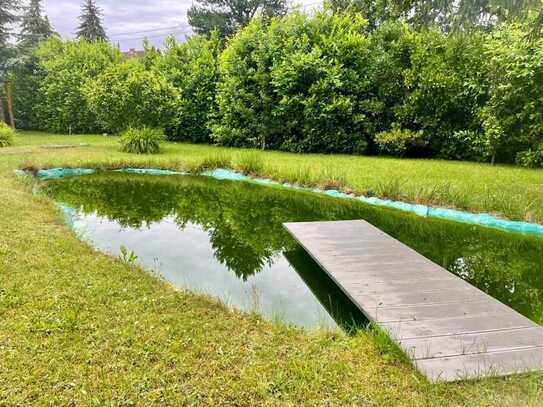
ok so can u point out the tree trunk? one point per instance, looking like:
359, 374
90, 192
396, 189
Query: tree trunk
10, 104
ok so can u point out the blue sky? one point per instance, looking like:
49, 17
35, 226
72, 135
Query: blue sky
125, 20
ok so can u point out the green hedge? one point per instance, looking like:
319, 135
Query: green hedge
326, 83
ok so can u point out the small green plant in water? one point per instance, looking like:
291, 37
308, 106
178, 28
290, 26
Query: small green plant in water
141, 141
128, 257
6, 135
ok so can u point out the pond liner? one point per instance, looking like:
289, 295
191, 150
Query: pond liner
479, 219
54, 173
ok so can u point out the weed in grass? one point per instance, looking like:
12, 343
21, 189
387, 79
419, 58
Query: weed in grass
128, 257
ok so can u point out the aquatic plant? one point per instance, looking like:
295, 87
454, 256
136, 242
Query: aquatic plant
141, 141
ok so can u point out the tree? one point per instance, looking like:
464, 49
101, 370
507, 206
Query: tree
448, 15
66, 67
229, 16
192, 67
35, 27
7, 52
127, 95
91, 27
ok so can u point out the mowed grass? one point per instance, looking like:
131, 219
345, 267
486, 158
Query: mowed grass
507, 191
81, 328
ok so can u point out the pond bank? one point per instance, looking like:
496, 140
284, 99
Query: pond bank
480, 219
115, 335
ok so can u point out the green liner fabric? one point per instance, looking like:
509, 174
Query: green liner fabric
63, 172
480, 219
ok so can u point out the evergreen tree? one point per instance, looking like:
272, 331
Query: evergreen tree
7, 18
91, 27
8, 9
35, 27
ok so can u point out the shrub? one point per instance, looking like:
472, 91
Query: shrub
6, 135
295, 84
127, 95
66, 68
192, 68
465, 145
531, 158
141, 141
399, 142
444, 88
513, 115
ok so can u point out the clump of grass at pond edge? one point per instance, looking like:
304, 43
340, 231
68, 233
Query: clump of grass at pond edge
208, 162
141, 141
249, 163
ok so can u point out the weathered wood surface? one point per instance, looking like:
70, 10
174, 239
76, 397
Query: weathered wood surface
450, 329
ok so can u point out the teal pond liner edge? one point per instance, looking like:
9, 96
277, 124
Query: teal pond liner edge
479, 219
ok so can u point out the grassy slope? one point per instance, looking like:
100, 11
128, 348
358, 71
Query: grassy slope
80, 327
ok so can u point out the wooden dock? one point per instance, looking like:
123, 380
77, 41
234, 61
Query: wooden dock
450, 329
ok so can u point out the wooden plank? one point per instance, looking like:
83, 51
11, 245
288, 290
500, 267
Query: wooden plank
481, 365
450, 329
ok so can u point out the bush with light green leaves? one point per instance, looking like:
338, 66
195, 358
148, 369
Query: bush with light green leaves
129, 95
6, 135
65, 69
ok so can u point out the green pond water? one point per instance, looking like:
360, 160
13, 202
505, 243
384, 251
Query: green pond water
226, 239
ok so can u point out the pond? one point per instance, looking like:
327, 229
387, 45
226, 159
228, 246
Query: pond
225, 239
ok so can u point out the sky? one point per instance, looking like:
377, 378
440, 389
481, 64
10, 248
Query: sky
127, 22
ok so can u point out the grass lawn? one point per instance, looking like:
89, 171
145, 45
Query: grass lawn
79, 327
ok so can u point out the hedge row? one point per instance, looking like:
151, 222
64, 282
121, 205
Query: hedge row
306, 84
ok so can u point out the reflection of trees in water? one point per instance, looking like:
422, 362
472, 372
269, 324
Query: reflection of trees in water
244, 223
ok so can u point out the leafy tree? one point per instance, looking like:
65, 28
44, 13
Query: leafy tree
444, 88
229, 16
127, 95
91, 28
192, 67
449, 15
513, 115
296, 84
66, 68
